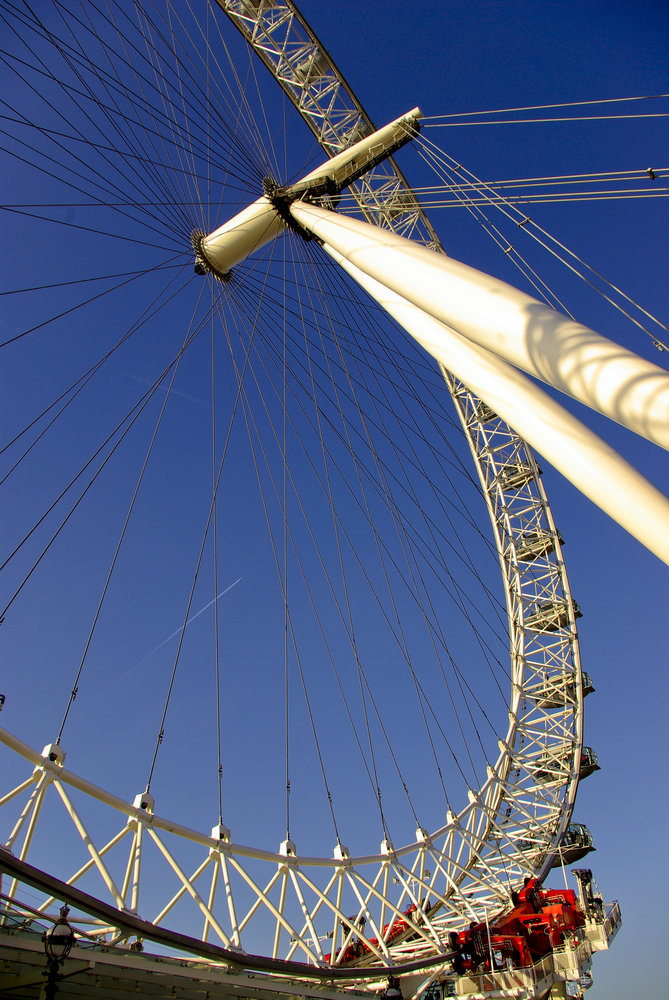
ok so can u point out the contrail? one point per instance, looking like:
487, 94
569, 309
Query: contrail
160, 645
191, 619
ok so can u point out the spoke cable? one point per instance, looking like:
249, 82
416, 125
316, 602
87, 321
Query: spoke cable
168, 395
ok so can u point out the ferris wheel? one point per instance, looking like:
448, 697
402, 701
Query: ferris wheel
340, 428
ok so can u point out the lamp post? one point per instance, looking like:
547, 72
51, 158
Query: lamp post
58, 941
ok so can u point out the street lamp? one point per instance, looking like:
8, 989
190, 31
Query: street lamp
58, 941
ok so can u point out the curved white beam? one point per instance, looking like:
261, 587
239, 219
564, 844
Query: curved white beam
575, 451
506, 321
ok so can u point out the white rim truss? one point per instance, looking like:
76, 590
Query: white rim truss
511, 826
507, 470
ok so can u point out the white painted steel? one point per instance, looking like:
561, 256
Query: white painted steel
475, 856
448, 853
282, 39
248, 231
508, 322
260, 223
358, 157
574, 450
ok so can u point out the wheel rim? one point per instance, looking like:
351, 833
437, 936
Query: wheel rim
475, 856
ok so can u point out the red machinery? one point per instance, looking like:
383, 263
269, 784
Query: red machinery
358, 947
541, 920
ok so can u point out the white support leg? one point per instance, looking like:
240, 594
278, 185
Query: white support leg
579, 454
505, 321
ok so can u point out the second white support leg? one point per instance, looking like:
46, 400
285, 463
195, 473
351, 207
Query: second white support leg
527, 333
575, 451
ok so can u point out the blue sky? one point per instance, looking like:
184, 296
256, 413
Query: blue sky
449, 59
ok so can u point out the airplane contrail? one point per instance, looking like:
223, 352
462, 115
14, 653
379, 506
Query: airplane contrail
191, 619
160, 645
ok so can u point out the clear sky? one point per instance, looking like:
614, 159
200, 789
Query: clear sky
449, 59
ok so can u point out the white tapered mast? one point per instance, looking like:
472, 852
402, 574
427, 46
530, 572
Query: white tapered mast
516, 327
595, 468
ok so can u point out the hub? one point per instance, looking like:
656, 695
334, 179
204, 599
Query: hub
269, 216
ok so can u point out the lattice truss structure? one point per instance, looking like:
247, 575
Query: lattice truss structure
399, 902
278, 34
